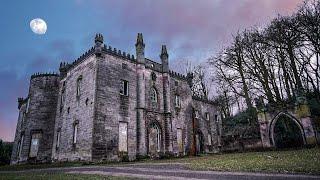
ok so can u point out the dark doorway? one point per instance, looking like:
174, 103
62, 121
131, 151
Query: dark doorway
199, 142
287, 133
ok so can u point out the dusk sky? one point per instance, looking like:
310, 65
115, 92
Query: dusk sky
193, 30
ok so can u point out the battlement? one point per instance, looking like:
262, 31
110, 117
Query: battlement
177, 75
202, 99
38, 74
114, 51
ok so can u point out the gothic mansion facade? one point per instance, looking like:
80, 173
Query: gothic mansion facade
109, 105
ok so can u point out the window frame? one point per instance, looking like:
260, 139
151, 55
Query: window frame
78, 86
153, 95
75, 133
124, 87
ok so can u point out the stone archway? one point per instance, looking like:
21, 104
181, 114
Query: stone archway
286, 132
199, 142
154, 137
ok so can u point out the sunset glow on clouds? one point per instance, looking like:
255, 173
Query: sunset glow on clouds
193, 30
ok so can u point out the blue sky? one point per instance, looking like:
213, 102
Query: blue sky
193, 31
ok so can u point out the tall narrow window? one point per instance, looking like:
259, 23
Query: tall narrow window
58, 139
177, 101
34, 147
153, 95
23, 118
20, 146
28, 104
124, 87
75, 133
62, 98
79, 83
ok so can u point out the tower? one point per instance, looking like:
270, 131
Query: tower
166, 96
141, 126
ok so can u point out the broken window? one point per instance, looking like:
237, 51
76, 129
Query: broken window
124, 87
123, 137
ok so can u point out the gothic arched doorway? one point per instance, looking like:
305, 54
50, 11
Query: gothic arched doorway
286, 132
199, 142
154, 138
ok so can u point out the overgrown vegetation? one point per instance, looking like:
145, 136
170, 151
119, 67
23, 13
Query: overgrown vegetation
277, 65
5, 152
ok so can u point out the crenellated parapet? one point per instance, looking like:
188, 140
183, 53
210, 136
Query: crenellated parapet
117, 52
203, 99
47, 74
177, 75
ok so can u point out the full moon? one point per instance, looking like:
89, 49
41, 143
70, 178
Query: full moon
38, 26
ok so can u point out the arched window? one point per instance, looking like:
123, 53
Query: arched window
79, 82
153, 95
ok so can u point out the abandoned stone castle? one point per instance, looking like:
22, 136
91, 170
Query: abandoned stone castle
109, 105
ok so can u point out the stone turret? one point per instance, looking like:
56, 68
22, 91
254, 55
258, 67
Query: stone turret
164, 59
98, 40
166, 96
140, 49
141, 88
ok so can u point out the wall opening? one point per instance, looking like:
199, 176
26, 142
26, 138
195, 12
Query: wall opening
287, 133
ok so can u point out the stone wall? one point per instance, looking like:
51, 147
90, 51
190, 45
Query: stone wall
112, 107
39, 118
76, 110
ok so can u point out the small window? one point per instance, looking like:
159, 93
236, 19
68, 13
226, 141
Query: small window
177, 101
75, 133
153, 95
124, 87
216, 118
176, 83
196, 112
58, 139
207, 116
79, 84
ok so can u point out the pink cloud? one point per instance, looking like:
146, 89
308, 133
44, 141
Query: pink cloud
205, 24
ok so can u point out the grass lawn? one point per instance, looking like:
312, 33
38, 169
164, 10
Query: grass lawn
305, 161
58, 176
302, 161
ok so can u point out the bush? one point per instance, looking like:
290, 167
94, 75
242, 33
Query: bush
5, 152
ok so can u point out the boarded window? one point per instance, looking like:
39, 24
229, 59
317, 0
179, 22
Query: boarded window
124, 87
179, 139
123, 137
34, 147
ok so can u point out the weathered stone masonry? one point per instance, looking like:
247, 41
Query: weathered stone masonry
109, 105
